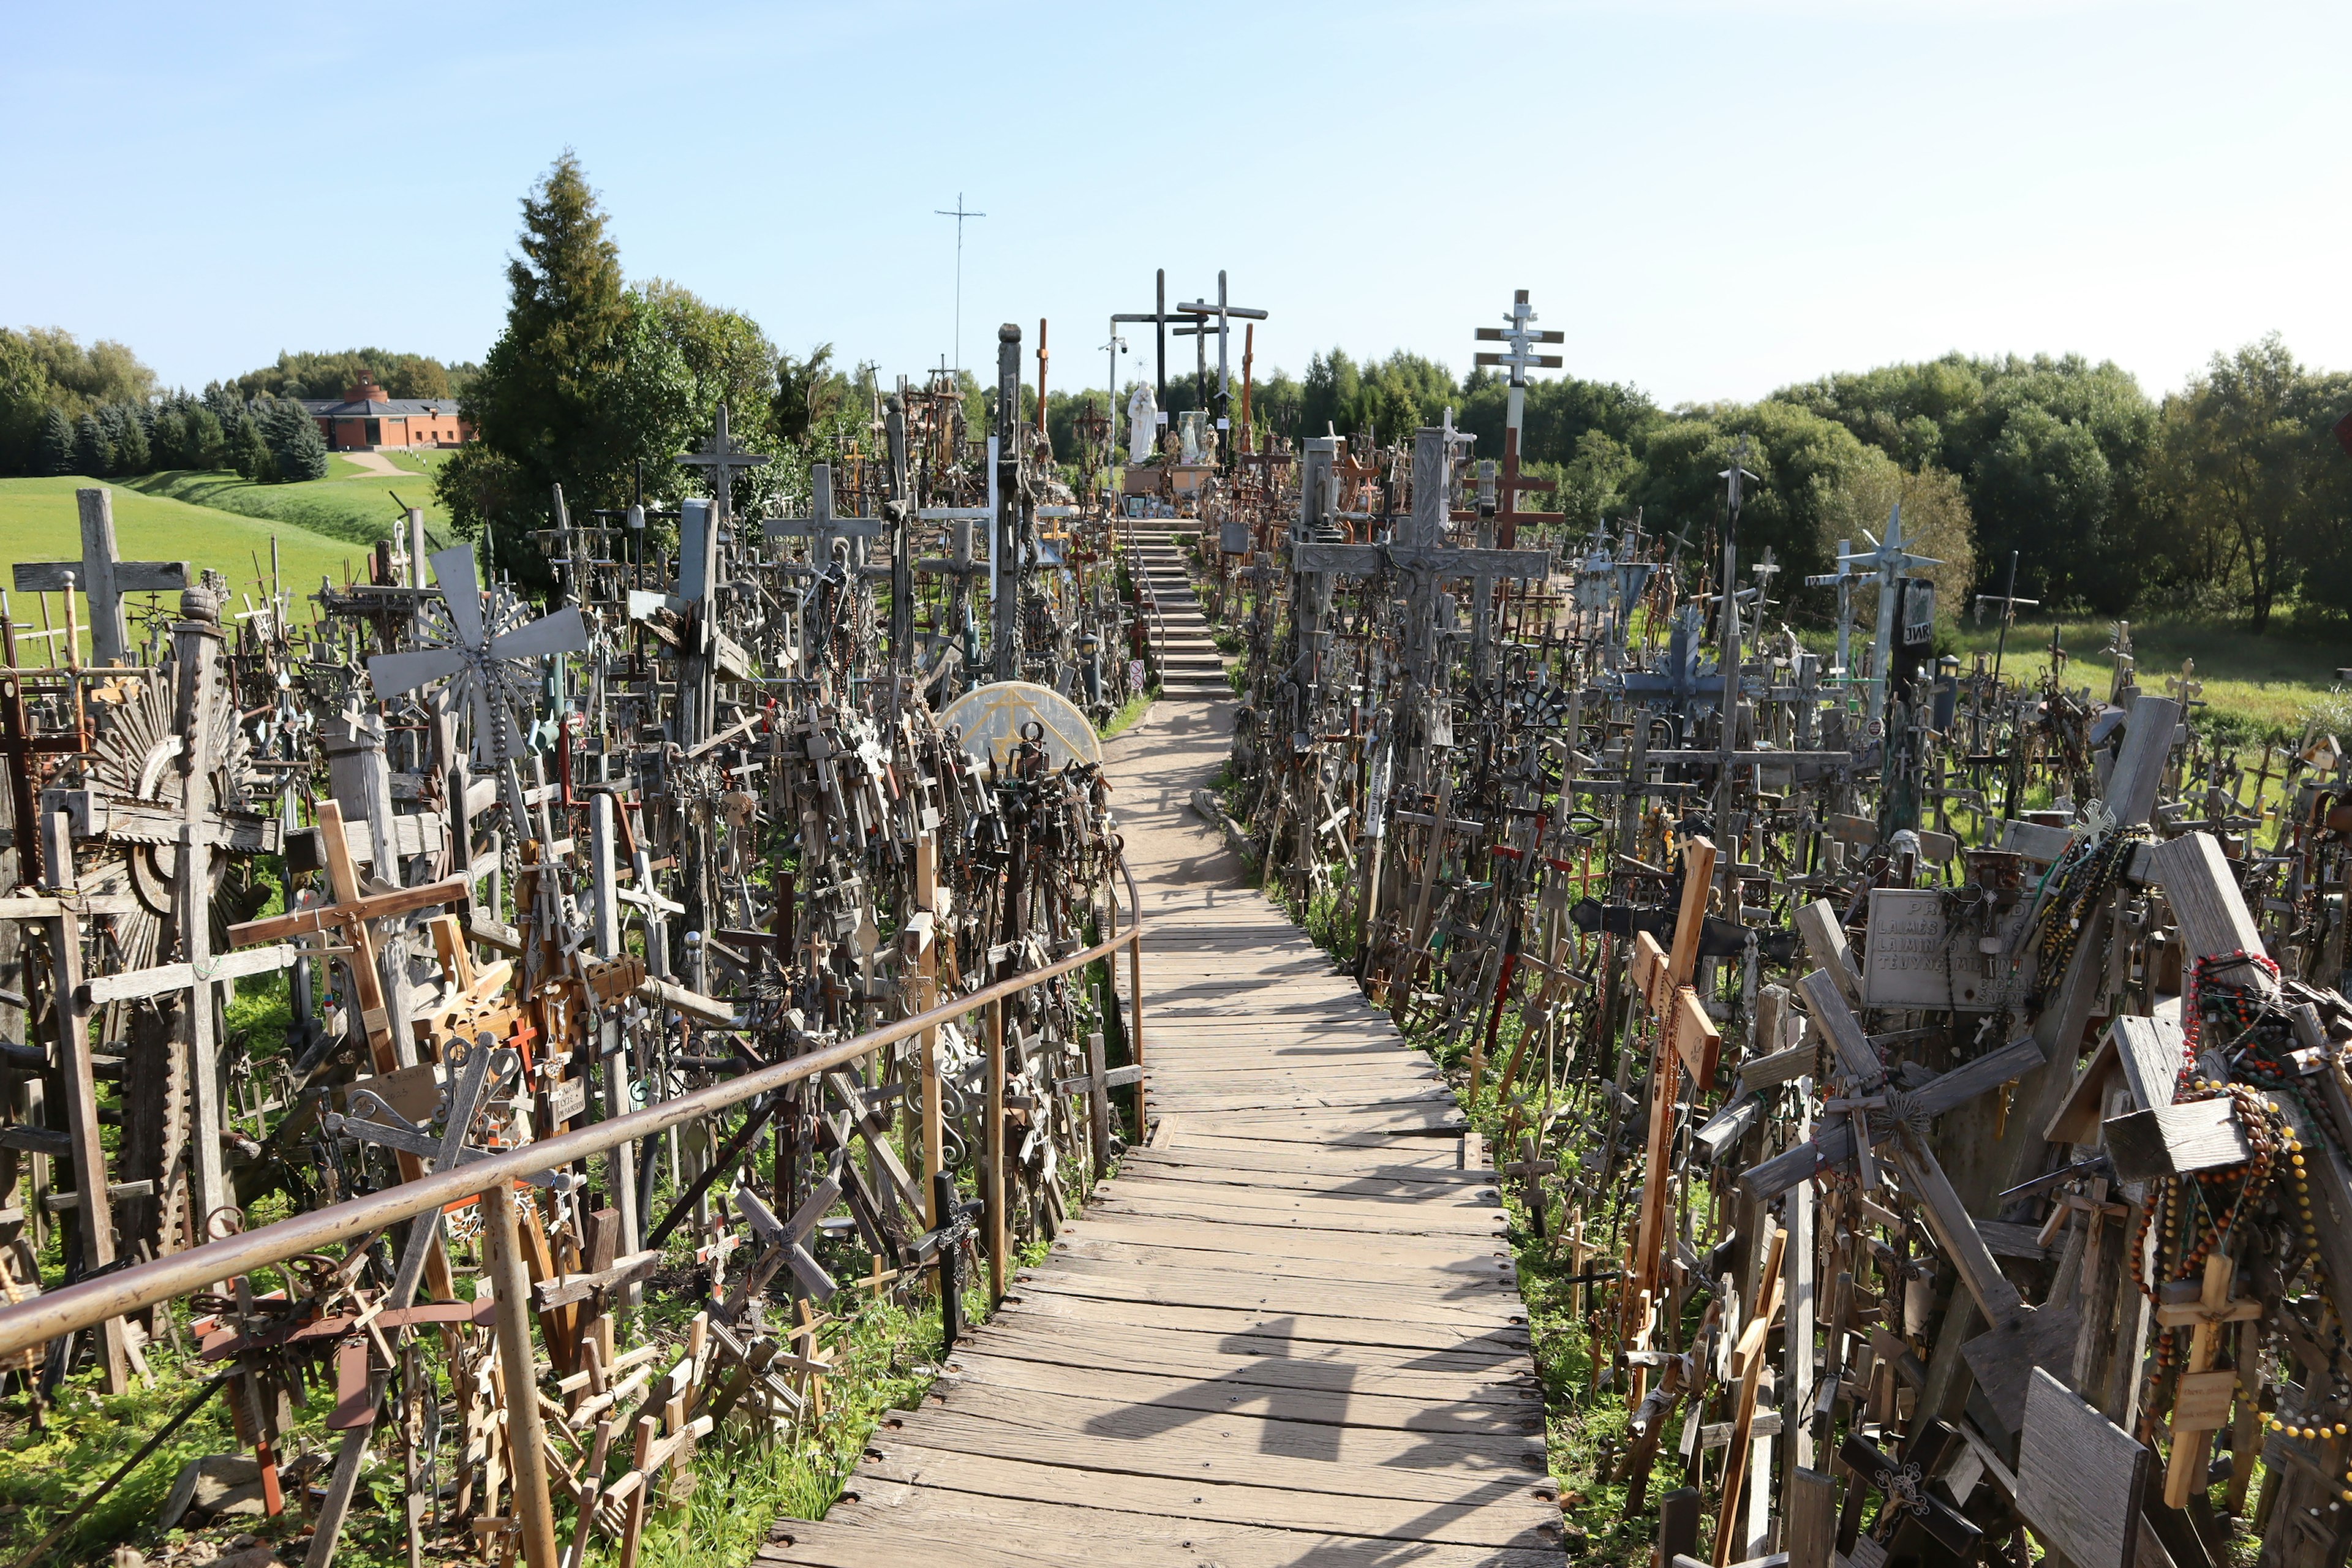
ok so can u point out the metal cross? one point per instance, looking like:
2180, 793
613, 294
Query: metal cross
1224, 311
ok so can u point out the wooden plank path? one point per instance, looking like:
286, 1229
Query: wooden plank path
1289, 1331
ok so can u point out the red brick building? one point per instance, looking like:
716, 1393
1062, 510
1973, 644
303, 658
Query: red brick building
366, 419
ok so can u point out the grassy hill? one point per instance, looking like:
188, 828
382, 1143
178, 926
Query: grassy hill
349, 504
40, 521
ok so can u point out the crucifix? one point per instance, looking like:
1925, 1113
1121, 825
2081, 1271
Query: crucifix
1519, 358
102, 579
1224, 312
2200, 1405
1903, 1484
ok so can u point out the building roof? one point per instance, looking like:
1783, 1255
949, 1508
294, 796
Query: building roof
381, 408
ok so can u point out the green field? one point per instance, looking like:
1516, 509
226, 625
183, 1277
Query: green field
2262, 685
40, 521
348, 504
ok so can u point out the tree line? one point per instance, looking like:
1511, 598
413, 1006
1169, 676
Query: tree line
98, 411
2230, 497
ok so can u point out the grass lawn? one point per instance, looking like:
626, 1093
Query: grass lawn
2266, 684
40, 521
349, 505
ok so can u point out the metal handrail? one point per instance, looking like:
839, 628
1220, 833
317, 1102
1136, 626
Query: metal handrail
95, 1301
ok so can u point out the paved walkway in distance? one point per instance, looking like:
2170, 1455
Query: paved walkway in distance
1289, 1332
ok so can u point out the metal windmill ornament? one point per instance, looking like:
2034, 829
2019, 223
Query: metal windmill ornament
487, 651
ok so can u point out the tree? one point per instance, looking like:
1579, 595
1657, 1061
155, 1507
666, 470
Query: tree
545, 405
807, 392
247, 452
2246, 488
206, 445
298, 450
55, 454
330, 375
133, 454
92, 455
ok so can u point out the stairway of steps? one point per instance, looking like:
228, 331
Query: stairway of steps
1191, 668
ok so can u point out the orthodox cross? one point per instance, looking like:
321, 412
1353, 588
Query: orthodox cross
1519, 358
102, 579
1224, 312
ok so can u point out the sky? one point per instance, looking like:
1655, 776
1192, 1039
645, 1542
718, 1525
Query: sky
1710, 198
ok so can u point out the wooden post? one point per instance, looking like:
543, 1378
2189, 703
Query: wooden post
1097, 1106
109, 632
993, 1171
606, 937
526, 1429
1135, 1034
927, 897
196, 643
80, 1089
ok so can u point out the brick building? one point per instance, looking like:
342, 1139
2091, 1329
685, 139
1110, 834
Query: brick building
366, 418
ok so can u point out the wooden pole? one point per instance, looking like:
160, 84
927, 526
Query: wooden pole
993, 1171
526, 1432
927, 893
1135, 1034
80, 1088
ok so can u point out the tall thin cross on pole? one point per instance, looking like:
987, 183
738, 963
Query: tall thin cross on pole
959, 214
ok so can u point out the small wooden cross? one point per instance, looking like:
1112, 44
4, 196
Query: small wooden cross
1531, 1168
1095, 1083
2201, 1404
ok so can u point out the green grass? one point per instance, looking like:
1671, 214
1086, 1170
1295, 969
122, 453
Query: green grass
40, 521
349, 504
1126, 718
2263, 684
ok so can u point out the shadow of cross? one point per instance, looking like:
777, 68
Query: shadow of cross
1315, 1402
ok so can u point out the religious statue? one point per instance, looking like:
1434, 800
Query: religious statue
1142, 424
1191, 426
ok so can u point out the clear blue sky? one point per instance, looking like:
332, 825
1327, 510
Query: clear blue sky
1710, 199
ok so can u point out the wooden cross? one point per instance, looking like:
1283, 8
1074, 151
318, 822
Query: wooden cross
782, 1244
1686, 1041
102, 579
2200, 1406
1531, 1168
1201, 310
720, 459
1096, 1084
821, 526
349, 915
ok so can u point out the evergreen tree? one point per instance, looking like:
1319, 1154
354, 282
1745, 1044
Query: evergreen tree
93, 454
206, 445
248, 453
294, 441
55, 452
134, 452
170, 440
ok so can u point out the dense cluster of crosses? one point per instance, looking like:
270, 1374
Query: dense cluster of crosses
1934, 1082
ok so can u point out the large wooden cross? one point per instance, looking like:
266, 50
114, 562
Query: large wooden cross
102, 579
1686, 1042
1522, 336
821, 526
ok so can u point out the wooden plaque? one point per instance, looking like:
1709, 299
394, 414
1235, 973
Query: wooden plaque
2080, 1476
1917, 959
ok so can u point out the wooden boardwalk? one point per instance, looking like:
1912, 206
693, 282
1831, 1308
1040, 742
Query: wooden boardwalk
1289, 1333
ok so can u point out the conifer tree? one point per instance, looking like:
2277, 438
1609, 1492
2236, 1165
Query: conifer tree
93, 454
294, 441
134, 452
248, 454
206, 445
55, 453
